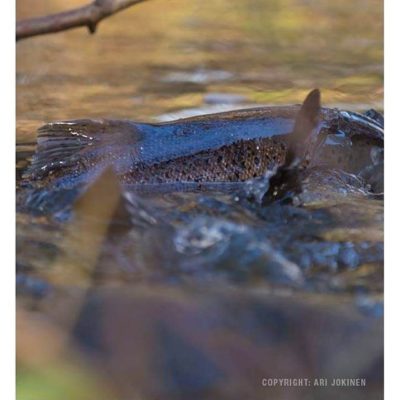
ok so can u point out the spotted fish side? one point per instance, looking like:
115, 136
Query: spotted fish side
238, 162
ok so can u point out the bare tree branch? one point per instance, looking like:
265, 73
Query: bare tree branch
89, 16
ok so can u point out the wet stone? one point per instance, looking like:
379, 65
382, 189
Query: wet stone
348, 256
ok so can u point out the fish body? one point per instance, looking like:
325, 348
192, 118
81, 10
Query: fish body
225, 147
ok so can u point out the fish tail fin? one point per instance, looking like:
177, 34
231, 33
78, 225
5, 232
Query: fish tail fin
58, 145
70, 145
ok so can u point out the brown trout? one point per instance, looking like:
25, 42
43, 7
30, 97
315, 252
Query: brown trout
225, 147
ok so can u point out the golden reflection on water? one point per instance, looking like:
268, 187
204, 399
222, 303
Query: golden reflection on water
162, 56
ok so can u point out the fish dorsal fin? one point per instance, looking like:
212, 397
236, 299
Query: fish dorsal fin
307, 120
286, 181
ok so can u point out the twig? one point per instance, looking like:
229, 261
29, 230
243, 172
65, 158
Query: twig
89, 16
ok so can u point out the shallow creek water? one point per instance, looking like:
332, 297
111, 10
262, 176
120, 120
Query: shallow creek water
200, 293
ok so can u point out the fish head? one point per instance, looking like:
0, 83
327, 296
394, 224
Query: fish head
354, 143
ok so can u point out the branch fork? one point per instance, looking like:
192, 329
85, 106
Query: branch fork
89, 16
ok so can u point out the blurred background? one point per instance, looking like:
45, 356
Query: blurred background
161, 57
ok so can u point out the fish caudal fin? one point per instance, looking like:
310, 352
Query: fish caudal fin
74, 145
58, 145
